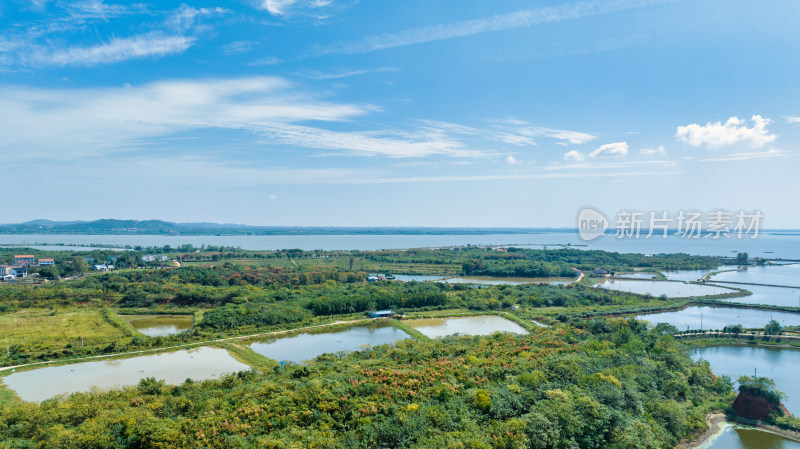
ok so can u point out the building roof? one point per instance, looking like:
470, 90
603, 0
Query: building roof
23, 255
46, 260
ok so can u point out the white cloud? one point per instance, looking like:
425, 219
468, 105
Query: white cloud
660, 151
574, 155
772, 153
518, 19
185, 16
515, 139
319, 9
715, 135
792, 120
610, 149
75, 123
511, 160
155, 44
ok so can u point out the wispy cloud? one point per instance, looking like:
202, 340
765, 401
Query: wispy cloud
611, 149
792, 120
517, 19
46, 40
660, 151
519, 130
136, 47
320, 76
574, 155
772, 153
268, 111
733, 131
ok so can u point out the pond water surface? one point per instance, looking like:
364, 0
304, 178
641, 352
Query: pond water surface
474, 325
302, 348
489, 280
658, 288
416, 277
778, 296
173, 367
719, 317
734, 437
788, 275
159, 325
780, 365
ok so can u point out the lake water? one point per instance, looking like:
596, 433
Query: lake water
474, 325
302, 348
693, 275
768, 244
719, 317
159, 325
658, 288
734, 437
780, 365
778, 296
788, 275
488, 280
173, 367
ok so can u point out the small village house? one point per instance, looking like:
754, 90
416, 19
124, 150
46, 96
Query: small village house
25, 259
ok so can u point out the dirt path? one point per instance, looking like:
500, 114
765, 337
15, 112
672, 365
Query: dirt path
716, 425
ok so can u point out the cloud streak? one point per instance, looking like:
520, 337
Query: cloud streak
517, 19
116, 50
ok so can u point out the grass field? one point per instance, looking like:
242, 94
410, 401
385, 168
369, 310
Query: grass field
45, 328
359, 264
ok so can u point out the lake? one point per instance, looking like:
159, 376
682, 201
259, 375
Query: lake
159, 325
719, 317
735, 437
768, 244
658, 288
302, 348
474, 325
637, 275
489, 280
788, 275
173, 367
693, 275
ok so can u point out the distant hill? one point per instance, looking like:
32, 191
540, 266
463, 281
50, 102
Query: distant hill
159, 227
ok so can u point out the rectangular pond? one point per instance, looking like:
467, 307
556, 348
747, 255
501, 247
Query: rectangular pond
658, 288
777, 296
173, 367
788, 275
719, 317
302, 348
490, 280
415, 277
159, 325
473, 325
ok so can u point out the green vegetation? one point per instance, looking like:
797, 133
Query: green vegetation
593, 379
627, 387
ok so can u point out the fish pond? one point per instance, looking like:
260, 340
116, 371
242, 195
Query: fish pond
658, 288
706, 317
788, 275
304, 347
159, 325
473, 325
488, 280
172, 367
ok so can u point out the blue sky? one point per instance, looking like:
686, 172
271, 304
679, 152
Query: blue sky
398, 113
